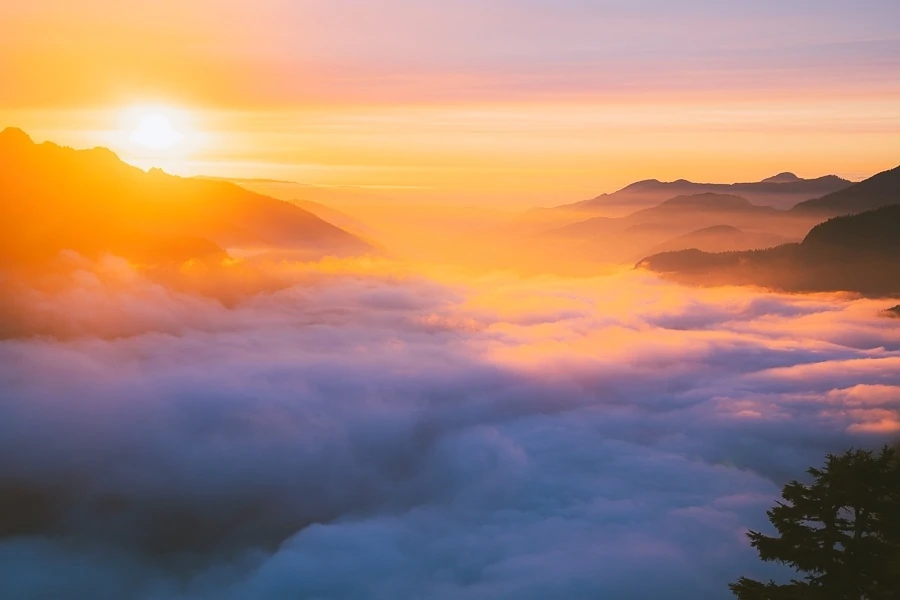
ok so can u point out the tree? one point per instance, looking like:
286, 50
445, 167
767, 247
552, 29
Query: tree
842, 531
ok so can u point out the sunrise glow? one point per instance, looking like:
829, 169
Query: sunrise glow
449, 300
155, 131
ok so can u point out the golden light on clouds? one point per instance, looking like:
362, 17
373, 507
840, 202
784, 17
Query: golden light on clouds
335, 298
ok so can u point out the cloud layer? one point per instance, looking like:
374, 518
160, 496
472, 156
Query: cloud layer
376, 435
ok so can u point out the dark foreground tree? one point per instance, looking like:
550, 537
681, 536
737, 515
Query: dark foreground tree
842, 532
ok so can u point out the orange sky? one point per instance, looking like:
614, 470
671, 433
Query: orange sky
505, 103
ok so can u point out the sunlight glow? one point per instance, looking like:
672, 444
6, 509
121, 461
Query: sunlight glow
155, 130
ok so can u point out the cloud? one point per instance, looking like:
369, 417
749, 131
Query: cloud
369, 433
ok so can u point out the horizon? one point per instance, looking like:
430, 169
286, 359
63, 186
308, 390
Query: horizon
561, 102
384, 192
469, 300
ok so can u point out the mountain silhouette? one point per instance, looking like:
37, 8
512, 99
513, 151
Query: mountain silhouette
685, 212
629, 238
849, 253
882, 189
54, 198
705, 202
781, 191
785, 177
719, 238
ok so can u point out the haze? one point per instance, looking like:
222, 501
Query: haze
507, 104
459, 300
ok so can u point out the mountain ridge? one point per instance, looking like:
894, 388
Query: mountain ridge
882, 189
630, 237
54, 198
771, 189
855, 253
719, 238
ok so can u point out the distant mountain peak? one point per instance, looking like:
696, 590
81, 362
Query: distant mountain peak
91, 202
717, 229
786, 177
102, 153
15, 136
709, 200
643, 184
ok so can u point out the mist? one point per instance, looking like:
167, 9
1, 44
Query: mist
364, 429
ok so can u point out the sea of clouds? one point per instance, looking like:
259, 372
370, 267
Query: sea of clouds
378, 434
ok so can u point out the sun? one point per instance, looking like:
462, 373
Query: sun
159, 135
155, 130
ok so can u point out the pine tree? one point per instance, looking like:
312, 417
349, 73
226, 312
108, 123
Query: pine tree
842, 531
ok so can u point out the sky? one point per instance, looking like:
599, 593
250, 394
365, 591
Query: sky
504, 103
254, 426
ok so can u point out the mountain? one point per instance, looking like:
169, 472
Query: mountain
700, 210
781, 191
719, 238
625, 239
284, 190
706, 202
893, 313
880, 190
850, 253
54, 198
785, 177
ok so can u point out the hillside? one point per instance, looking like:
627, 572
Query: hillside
682, 212
629, 238
54, 198
851, 253
882, 189
781, 191
719, 238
